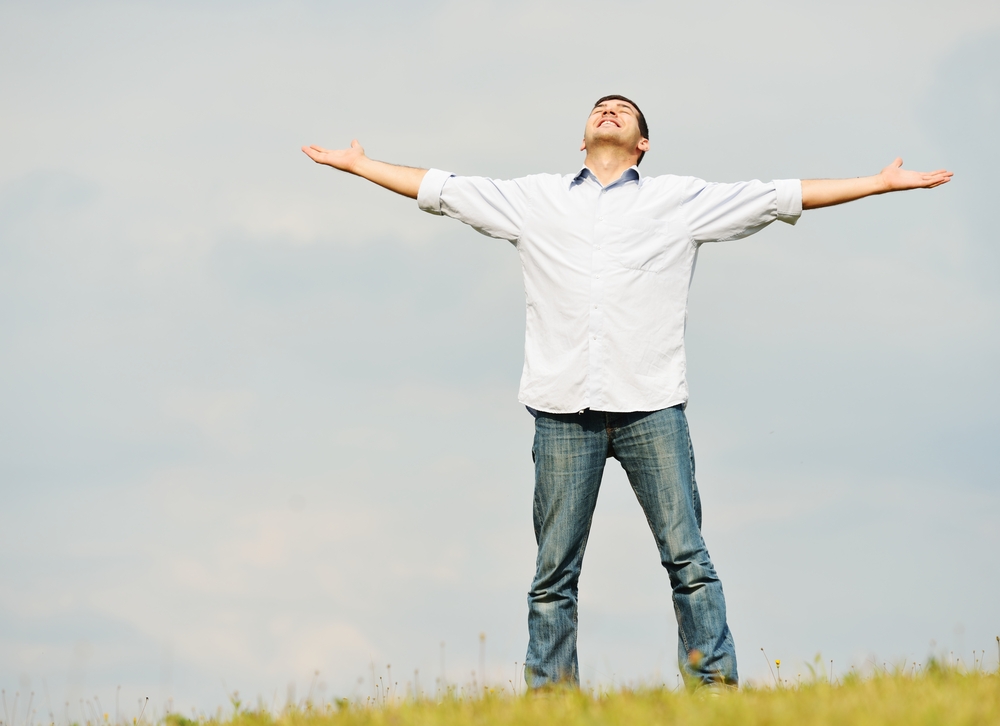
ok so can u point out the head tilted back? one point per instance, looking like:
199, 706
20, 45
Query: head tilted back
643, 127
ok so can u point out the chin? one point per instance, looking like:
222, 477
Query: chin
615, 134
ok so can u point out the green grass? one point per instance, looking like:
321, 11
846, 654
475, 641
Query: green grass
935, 696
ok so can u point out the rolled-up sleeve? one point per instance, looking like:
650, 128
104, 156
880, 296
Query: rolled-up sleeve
721, 212
493, 207
429, 194
789, 199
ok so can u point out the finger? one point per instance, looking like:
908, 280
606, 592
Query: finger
937, 180
898, 163
355, 144
314, 153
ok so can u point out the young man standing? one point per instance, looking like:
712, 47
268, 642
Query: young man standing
607, 257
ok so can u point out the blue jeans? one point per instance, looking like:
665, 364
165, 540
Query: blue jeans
654, 448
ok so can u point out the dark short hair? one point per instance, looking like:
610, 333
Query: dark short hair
643, 128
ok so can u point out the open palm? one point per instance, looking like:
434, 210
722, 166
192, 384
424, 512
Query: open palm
896, 178
343, 159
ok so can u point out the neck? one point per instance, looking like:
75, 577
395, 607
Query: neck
609, 163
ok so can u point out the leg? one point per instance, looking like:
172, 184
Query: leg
570, 451
655, 451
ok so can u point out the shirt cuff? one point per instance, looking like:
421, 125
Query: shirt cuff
429, 194
789, 199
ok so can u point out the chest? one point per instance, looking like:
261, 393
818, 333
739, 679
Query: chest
585, 227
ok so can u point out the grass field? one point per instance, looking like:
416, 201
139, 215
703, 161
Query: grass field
937, 695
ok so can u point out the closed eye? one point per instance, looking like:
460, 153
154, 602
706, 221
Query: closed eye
617, 109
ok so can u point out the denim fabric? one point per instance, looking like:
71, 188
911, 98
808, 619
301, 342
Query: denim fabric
654, 448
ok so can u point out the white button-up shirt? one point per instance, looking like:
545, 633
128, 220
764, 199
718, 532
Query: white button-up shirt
606, 272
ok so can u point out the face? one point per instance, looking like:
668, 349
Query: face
614, 122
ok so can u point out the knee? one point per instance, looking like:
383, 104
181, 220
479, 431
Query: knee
691, 574
553, 584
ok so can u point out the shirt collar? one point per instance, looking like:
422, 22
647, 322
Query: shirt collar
630, 174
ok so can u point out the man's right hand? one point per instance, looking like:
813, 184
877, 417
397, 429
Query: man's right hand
403, 180
343, 159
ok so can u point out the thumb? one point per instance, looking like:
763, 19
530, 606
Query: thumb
898, 162
355, 144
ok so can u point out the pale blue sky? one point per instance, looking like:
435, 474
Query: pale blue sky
259, 419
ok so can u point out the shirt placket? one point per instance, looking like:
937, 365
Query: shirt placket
599, 261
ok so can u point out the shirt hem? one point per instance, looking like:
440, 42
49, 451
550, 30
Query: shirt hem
657, 406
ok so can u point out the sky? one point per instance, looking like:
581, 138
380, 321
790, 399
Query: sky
259, 428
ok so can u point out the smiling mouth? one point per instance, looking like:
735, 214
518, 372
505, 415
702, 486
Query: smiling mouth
608, 122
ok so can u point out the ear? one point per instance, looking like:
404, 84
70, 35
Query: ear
583, 145
643, 145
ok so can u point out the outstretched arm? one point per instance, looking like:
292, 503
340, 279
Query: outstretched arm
894, 178
403, 180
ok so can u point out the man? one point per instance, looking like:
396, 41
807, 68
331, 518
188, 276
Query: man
607, 257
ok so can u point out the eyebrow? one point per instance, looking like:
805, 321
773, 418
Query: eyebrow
620, 104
